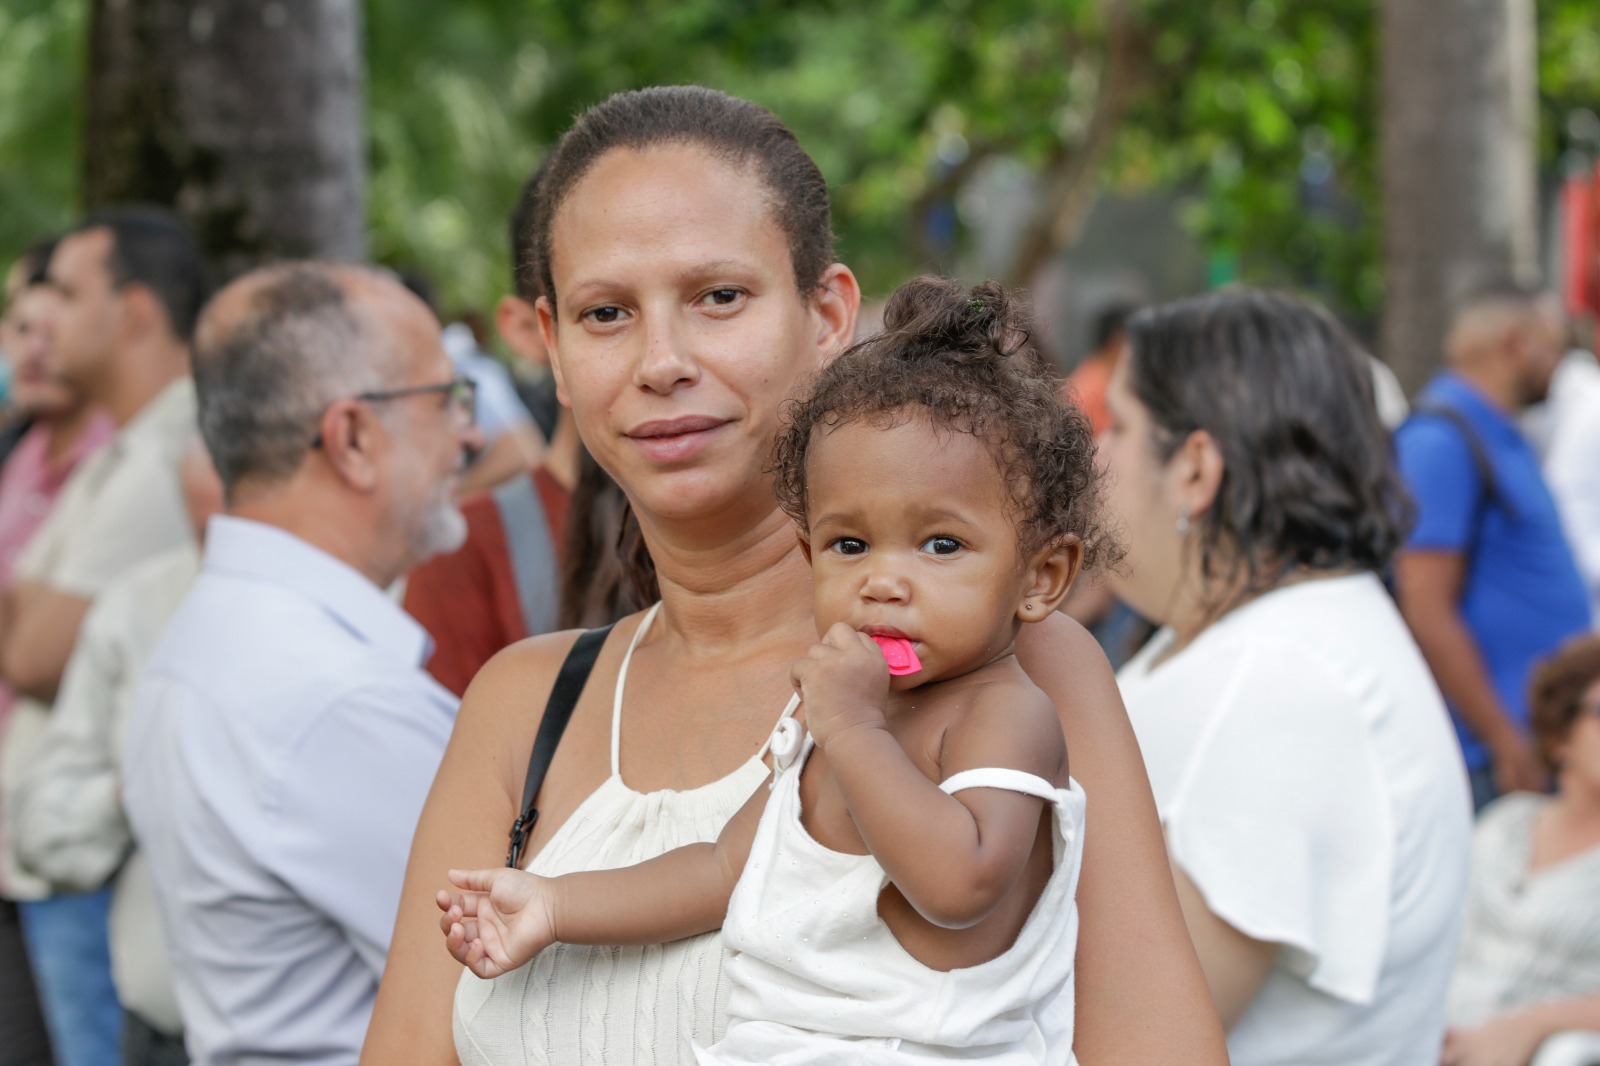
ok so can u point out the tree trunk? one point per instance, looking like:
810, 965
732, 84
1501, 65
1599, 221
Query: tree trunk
1067, 191
243, 115
1457, 111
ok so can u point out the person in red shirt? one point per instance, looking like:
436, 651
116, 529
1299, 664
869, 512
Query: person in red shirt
1086, 385
504, 582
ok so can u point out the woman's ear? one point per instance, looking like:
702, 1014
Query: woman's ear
1052, 573
1198, 466
347, 435
547, 333
836, 304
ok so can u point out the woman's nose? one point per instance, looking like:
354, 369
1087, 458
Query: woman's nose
666, 362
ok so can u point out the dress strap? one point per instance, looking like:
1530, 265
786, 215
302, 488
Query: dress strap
622, 679
787, 716
1002, 777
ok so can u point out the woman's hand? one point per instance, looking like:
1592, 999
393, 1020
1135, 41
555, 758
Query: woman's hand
843, 683
1505, 1040
502, 920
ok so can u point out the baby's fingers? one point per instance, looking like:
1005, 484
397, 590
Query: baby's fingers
474, 880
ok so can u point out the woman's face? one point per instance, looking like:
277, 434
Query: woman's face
1579, 754
679, 331
1144, 498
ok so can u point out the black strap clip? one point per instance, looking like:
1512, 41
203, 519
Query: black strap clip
519, 836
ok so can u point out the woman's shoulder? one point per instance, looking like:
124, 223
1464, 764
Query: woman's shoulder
520, 678
1508, 819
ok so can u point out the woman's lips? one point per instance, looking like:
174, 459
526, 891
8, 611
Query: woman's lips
672, 440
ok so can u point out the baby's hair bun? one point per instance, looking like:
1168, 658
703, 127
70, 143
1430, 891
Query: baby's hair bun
936, 318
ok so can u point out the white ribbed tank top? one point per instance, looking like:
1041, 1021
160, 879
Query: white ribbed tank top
612, 1005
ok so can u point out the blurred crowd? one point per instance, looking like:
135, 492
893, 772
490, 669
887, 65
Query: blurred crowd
256, 544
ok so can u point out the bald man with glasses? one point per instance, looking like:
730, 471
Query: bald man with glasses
284, 735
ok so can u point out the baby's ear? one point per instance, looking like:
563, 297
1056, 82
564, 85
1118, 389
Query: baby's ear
805, 543
1052, 571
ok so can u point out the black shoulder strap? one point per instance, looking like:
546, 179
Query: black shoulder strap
557, 712
1475, 445
1490, 496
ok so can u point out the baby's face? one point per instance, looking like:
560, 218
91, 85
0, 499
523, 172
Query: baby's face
912, 536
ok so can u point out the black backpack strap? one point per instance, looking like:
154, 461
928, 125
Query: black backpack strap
557, 712
1490, 496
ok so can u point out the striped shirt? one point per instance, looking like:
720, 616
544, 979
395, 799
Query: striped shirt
1529, 938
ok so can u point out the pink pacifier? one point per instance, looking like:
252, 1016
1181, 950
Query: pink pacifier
900, 655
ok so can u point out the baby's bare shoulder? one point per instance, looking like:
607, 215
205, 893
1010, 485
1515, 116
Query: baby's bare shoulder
1001, 718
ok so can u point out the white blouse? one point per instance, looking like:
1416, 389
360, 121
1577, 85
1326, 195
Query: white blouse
1530, 938
1311, 787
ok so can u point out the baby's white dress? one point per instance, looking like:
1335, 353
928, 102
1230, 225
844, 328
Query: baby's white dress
818, 978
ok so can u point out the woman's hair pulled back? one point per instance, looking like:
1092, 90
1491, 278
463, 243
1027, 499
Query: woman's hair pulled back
736, 131
1309, 480
967, 361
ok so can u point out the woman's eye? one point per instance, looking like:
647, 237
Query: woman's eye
849, 546
604, 316
942, 545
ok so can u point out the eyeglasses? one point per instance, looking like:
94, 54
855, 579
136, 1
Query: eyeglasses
460, 395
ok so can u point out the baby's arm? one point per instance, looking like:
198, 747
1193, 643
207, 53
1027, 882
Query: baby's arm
954, 858
505, 917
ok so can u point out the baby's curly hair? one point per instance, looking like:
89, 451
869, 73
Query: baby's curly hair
966, 359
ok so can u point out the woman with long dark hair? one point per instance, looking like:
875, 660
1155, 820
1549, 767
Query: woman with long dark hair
691, 289
1312, 793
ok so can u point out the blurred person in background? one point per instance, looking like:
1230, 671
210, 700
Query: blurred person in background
124, 291
1486, 580
1526, 987
1086, 385
67, 814
512, 442
1314, 802
42, 411
284, 735
1572, 465
504, 583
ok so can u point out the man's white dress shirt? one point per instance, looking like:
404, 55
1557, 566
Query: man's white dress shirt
279, 750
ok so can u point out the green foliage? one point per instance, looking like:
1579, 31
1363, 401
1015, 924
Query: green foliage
1235, 103
41, 52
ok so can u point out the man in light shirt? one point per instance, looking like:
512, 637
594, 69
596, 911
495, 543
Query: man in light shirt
284, 735
125, 290
70, 826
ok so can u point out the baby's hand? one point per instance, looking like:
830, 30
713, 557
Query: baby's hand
500, 922
843, 683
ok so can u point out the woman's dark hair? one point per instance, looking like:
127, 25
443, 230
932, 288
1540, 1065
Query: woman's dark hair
965, 360
732, 130
1555, 695
606, 572
1309, 480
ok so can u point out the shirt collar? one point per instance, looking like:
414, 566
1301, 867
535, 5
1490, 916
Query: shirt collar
1464, 395
174, 402
241, 547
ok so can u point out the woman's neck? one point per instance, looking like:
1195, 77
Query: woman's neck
722, 592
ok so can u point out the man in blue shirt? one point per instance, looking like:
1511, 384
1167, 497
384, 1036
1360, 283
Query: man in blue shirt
284, 735
1487, 581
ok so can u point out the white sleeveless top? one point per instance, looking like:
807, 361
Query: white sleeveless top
612, 1005
818, 978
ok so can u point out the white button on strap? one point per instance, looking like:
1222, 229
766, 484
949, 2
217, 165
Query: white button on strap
785, 743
